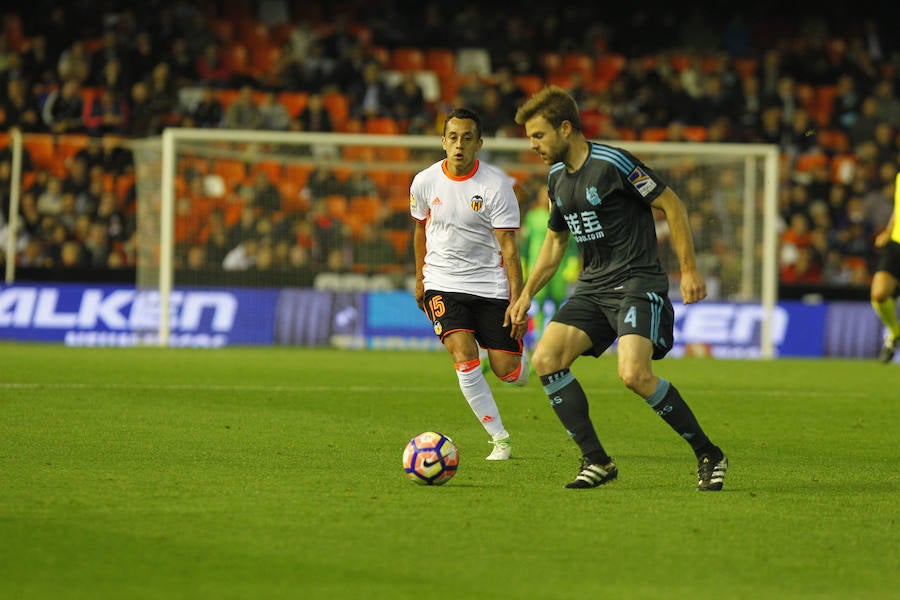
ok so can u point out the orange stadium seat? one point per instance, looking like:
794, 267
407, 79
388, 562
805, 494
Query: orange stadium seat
232, 171
291, 200
298, 173
381, 178
294, 102
550, 62
380, 54
607, 67
833, 140
745, 67
654, 134
382, 125
42, 149
807, 162
236, 57
366, 208
578, 61
823, 104
271, 167
530, 84
394, 153
253, 33
400, 239
263, 57
223, 29
442, 61
336, 205
696, 133
338, 106
408, 59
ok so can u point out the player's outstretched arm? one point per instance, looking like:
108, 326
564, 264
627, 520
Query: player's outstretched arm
549, 258
693, 287
419, 250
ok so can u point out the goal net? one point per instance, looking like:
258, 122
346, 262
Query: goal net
283, 210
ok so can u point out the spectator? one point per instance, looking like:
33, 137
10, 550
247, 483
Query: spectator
206, 112
846, 104
142, 57
315, 116
244, 113
360, 184
114, 77
261, 193
117, 227
19, 109
38, 63
63, 108
110, 49
107, 113
372, 251
74, 63
96, 245
274, 115
49, 201
863, 127
471, 90
163, 91
211, 68
117, 157
408, 100
370, 97
181, 64
511, 93
785, 98
143, 120
888, 110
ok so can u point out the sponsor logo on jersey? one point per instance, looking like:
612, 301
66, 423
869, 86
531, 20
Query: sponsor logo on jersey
436, 201
477, 202
592, 196
641, 182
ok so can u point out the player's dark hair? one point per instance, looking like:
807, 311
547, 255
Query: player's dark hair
464, 113
554, 104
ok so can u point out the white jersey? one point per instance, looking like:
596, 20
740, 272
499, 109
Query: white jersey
461, 214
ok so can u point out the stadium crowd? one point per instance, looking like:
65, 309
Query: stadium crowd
98, 74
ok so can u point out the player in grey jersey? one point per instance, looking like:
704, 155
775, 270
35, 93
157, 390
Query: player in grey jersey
603, 197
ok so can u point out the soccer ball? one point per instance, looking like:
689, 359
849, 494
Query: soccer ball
430, 458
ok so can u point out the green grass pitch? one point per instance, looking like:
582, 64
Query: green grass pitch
270, 473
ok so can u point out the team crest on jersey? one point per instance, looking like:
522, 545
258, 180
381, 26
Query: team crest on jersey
438, 328
477, 202
592, 196
641, 182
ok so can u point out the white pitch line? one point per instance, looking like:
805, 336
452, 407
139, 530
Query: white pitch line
365, 389
217, 387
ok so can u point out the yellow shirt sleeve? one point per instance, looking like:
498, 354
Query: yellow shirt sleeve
895, 232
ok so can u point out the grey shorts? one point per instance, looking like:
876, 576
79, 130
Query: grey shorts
605, 317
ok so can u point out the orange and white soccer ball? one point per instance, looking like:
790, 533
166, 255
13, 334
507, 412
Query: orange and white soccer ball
430, 458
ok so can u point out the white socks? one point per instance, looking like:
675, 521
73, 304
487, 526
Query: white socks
478, 394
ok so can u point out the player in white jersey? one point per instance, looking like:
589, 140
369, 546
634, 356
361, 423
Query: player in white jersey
468, 268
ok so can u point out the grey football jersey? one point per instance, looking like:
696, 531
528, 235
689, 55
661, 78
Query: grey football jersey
605, 206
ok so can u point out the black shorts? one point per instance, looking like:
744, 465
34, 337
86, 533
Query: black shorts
889, 259
454, 311
605, 317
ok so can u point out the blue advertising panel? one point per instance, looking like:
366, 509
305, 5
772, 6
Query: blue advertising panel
734, 330
719, 329
107, 315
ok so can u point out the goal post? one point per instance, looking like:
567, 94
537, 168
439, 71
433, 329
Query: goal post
730, 191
